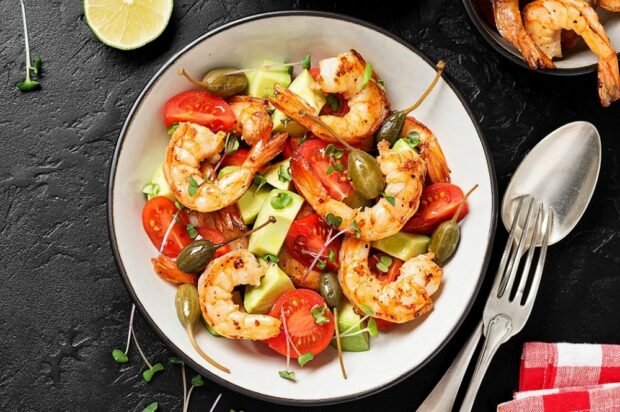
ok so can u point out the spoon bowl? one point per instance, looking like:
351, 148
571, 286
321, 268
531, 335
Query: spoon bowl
561, 172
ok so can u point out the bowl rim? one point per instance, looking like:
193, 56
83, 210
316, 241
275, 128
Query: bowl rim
482, 29
119, 261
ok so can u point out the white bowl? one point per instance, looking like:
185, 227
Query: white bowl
287, 36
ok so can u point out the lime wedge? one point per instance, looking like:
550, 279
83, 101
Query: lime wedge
127, 24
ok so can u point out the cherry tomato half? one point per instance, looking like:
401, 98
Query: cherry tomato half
157, 215
393, 270
303, 331
201, 107
336, 183
215, 236
293, 142
307, 236
237, 158
439, 203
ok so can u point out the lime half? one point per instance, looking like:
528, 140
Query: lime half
127, 24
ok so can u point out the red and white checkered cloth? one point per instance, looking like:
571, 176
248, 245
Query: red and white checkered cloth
564, 377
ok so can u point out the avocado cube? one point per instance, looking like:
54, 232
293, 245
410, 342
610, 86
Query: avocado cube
260, 299
403, 245
349, 321
270, 239
273, 175
304, 86
159, 179
251, 203
261, 82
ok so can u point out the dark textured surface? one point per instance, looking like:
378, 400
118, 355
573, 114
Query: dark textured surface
63, 306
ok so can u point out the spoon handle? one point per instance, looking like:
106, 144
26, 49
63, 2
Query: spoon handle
443, 395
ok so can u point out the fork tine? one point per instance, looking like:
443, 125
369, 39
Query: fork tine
507, 250
530, 255
525, 234
541, 262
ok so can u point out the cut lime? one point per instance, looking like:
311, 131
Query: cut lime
127, 24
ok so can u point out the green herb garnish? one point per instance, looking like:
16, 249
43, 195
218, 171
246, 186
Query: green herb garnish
151, 190
366, 309
284, 174
332, 255
172, 129
306, 61
119, 356
178, 205
197, 381
356, 229
333, 102
412, 139
321, 264
390, 199
231, 145
290, 375
384, 263
305, 358
31, 82
259, 181
333, 220
271, 258
151, 407
367, 75
193, 186
148, 374
281, 201
372, 327
318, 313
191, 230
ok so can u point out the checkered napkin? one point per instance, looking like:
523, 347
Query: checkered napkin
564, 377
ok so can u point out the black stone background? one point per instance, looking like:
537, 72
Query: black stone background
63, 306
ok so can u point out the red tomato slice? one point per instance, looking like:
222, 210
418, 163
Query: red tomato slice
214, 236
384, 325
439, 203
157, 215
237, 158
307, 236
201, 107
303, 331
293, 142
336, 183
393, 269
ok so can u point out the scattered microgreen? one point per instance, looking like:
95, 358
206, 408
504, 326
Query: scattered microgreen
173, 129
367, 75
284, 174
271, 259
197, 381
372, 328
281, 200
306, 62
148, 374
290, 375
192, 187
151, 190
332, 151
390, 199
356, 230
332, 255
384, 263
259, 181
175, 360
330, 170
318, 313
191, 231
305, 358
412, 139
321, 264
333, 102
339, 166
333, 220
232, 144
119, 356
33, 72
339, 345
151, 407
366, 309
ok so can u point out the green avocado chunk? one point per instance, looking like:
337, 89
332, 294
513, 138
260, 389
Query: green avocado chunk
162, 187
260, 299
348, 319
270, 239
278, 175
304, 86
261, 82
403, 245
251, 203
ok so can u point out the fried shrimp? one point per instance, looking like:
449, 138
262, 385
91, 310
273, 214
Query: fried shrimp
215, 288
510, 25
343, 74
545, 20
192, 144
397, 301
436, 165
404, 173
253, 123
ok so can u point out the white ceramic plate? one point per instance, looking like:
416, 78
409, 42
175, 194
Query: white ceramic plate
288, 36
578, 60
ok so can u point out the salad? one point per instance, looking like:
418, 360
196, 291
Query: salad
301, 211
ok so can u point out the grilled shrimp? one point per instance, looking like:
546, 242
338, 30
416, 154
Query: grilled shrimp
544, 21
611, 5
253, 123
436, 165
510, 25
215, 288
398, 301
227, 221
190, 145
404, 173
368, 106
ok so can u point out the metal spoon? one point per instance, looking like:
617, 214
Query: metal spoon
561, 171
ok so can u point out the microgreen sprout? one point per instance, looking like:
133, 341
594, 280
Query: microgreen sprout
231, 145
281, 200
339, 345
305, 358
271, 258
148, 374
367, 75
172, 129
412, 139
390, 199
192, 187
371, 325
284, 174
332, 255
151, 190
191, 231
259, 181
384, 263
151, 407
333, 102
321, 264
318, 313
290, 375
304, 62
33, 72
333, 222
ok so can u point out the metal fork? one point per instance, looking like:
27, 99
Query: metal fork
505, 312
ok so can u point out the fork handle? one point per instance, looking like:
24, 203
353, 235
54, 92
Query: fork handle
497, 333
443, 395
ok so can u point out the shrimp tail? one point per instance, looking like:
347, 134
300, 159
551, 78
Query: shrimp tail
264, 151
293, 106
305, 180
609, 81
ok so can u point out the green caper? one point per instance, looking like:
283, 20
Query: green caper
330, 289
365, 174
444, 241
187, 304
195, 257
391, 128
217, 82
355, 200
